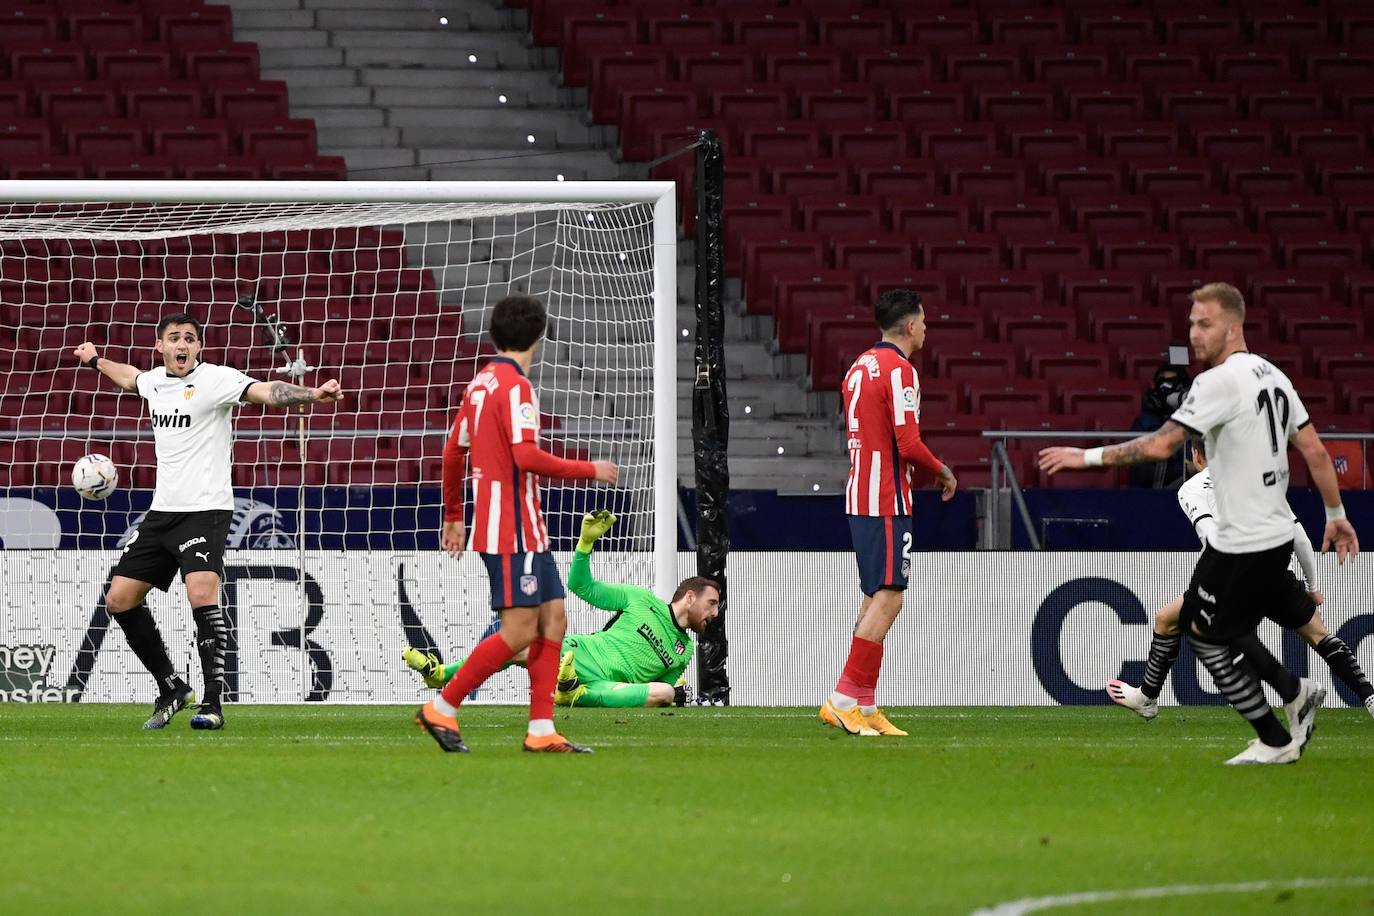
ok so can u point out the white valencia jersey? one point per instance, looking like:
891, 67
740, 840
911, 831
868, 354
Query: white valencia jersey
193, 435
1197, 498
1246, 409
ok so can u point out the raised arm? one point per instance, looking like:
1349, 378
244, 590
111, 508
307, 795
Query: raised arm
122, 374
285, 394
581, 582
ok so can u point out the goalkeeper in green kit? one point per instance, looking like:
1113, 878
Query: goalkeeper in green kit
635, 660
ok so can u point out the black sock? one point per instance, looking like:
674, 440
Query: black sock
1264, 666
1163, 654
1345, 666
140, 630
1242, 691
212, 639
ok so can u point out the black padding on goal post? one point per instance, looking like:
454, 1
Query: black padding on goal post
711, 412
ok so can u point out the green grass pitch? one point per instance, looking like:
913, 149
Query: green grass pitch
311, 809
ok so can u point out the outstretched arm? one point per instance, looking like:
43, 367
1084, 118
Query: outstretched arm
581, 582
1155, 446
122, 374
285, 394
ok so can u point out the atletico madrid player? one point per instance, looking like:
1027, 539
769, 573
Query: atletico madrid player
495, 439
882, 399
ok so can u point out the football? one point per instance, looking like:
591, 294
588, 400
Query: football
95, 476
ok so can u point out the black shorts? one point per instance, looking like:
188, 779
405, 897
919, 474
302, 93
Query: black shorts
1230, 593
165, 542
1296, 607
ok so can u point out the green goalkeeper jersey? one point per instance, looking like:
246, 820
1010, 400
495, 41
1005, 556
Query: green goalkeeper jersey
641, 644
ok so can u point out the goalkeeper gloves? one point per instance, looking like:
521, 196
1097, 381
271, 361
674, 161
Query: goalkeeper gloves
594, 524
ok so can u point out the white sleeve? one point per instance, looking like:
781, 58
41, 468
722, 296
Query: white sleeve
1307, 558
1206, 528
1210, 402
141, 383
1195, 498
228, 385
1297, 414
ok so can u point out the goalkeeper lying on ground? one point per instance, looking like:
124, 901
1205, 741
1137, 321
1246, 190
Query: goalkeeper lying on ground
637, 659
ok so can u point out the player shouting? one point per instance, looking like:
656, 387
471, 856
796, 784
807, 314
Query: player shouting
495, 438
883, 412
189, 403
635, 660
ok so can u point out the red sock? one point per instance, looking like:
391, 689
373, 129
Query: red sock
543, 665
860, 676
486, 659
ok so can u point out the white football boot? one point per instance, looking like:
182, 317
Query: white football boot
1123, 694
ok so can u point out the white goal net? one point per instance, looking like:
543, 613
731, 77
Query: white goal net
333, 562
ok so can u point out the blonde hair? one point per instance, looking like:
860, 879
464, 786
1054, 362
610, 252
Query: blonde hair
1224, 295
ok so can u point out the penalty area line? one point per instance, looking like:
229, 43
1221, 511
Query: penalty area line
1036, 904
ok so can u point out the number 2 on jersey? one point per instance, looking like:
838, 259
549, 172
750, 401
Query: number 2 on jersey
1266, 402
854, 383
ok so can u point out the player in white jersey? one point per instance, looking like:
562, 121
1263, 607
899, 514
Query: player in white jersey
1298, 612
189, 406
1247, 413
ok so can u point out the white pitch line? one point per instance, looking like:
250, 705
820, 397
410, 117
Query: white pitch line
1036, 904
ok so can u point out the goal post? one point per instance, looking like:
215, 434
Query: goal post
384, 285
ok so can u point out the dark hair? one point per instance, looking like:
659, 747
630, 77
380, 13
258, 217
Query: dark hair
517, 322
695, 584
180, 318
895, 306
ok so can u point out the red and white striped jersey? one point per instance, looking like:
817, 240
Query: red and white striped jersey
497, 430
882, 401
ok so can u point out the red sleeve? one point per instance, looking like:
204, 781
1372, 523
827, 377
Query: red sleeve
533, 459
908, 429
455, 469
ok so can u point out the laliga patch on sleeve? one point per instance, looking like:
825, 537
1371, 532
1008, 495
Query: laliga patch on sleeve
909, 398
529, 418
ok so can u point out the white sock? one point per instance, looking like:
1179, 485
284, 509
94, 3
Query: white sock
842, 702
541, 728
868, 710
444, 706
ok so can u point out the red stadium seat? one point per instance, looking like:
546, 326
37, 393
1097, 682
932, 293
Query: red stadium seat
1340, 361
1117, 27
724, 66
892, 66
1034, 140
1172, 175
1131, 326
982, 64
860, 29
199, 139
1211, 28
782, 140
821, 176
1284, 290
766, 255
1173, 287
803, 66
909, 179
832, 214
1287, 27
982, 362
921, 216
1020, 216
106, 139
1022, 398
930, 102
1075, 177
1004, 103
1075, 360
1322, 327
1283, 101
969, 251
834, 345
1114, 396
24, 139
1098, 213
1324, 140
232, 61
802, 297
736, 105
877, 143
1067, 65
46, 61
1161, 65
281, 138
928, 28
1138, 139
1309, 251
199, 25
1133, 251
1337, 65
1052, 253
875, 252
1096, 102
1342, 178
1232, 138
772, 29
71, 101
1049, 327
986, 177
161, 100
1240, 251
666, 101
126, 62
1031, 27
996, 291
840, 102
758, 216
1189, 214
1087, 291
105, 25
250, 101
685, 27
955, 325
1252, 62
143, 168
1268, 175
933, 285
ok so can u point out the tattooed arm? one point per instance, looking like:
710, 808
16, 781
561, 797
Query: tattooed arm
284, 394
1155, 446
